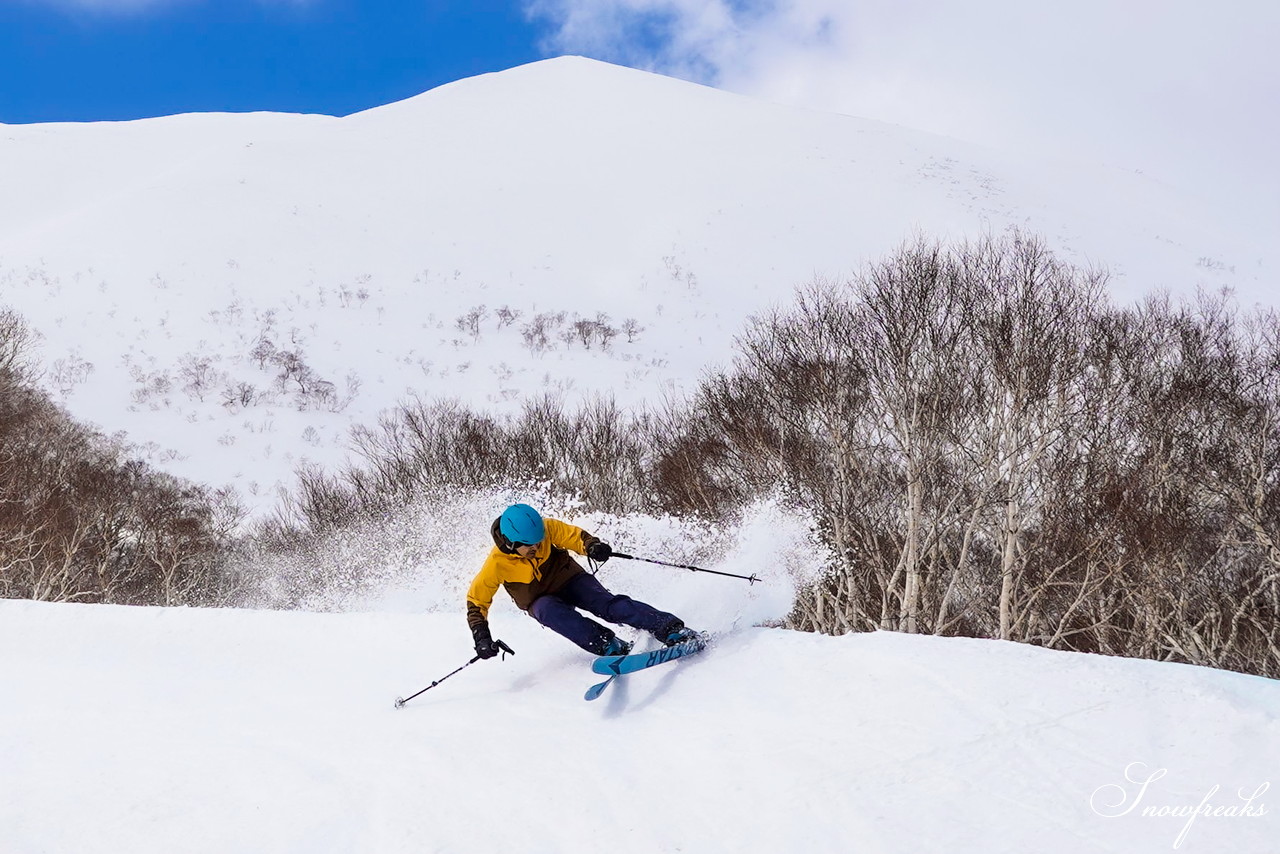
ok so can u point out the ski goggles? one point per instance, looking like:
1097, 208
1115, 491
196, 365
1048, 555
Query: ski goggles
512, 545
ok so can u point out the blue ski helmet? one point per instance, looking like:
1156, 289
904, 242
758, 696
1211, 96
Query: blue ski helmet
522, 525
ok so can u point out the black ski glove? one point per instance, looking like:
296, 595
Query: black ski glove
485, 647
599, 552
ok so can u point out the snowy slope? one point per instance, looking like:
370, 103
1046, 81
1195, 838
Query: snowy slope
151, 730
563, 186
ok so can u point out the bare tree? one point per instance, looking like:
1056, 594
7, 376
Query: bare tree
73, 507
198, 375
470, 322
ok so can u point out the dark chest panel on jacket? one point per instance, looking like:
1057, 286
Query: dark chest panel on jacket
558, 568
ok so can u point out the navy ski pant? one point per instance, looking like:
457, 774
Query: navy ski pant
557, 611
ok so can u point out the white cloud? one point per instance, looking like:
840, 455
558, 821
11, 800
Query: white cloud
1182, 89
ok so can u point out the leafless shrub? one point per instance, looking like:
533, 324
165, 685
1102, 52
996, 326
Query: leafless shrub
507, 316
240, 395
588, 331
198, 375
470, 322
263, 353
353, 386
632, 329
537, 333
16, 343
153, 388
595, 452
67, 373
307, 388
605, 332
583, 330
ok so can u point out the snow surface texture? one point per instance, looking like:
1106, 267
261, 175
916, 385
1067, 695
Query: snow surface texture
155, 730
150, 252
161, 730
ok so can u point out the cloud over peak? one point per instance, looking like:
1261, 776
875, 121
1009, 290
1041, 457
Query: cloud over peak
1178, 88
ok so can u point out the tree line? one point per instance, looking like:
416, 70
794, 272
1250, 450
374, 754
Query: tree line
994, 450
82, 520
988, 445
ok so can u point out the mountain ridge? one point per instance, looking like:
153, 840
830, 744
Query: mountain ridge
563, 187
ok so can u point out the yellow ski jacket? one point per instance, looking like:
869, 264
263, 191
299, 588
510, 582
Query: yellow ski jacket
525, 579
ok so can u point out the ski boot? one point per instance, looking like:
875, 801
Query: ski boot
676, 632
616, 646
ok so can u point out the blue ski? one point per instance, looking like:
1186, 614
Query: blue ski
597, 689
617, 665
614, 666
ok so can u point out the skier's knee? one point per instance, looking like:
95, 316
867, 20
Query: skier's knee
617, 607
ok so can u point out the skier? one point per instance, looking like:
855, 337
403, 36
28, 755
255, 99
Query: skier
531, 560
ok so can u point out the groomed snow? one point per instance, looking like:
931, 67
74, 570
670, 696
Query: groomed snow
153, 730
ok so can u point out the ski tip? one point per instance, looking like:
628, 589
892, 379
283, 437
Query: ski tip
597, 689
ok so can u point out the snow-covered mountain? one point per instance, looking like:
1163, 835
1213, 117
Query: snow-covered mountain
154, 256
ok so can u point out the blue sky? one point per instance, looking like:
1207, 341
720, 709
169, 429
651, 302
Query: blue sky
88, 60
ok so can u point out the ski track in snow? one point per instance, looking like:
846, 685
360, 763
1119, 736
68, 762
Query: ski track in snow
142, 730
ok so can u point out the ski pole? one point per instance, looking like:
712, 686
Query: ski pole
400, 701
750, 579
